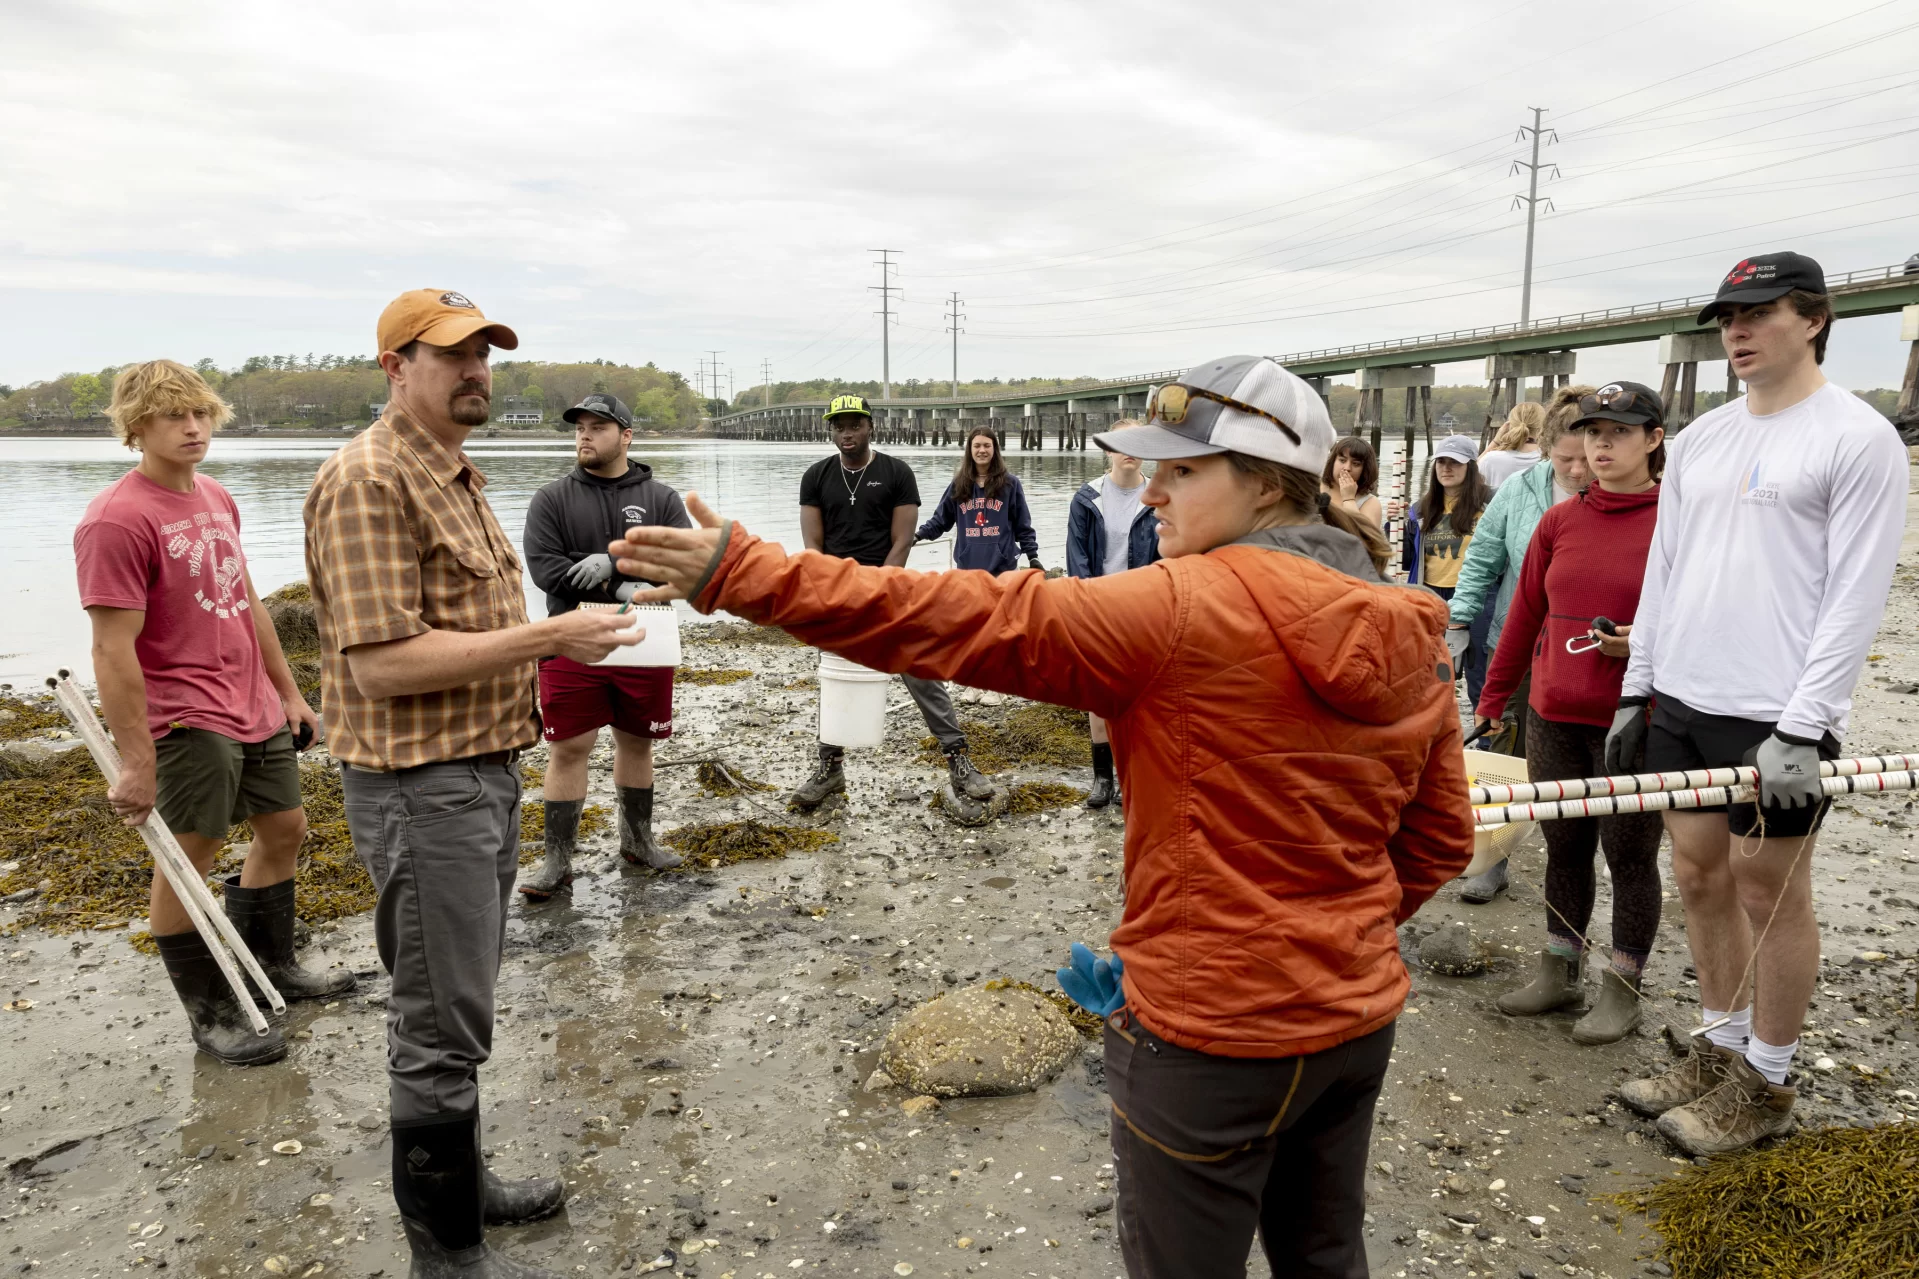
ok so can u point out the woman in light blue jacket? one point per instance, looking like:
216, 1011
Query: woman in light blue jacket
1499, 546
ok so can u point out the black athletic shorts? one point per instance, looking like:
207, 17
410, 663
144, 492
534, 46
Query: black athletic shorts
1682, 738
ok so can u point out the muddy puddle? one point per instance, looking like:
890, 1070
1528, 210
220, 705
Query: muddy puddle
689, 1052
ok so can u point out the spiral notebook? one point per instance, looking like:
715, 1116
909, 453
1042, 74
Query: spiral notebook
661, 645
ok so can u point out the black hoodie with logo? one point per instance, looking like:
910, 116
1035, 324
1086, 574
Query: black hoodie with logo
577, 515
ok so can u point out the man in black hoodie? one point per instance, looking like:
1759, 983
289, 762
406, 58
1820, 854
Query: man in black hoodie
568, 526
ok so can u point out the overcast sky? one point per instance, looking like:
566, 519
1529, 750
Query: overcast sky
1111, 188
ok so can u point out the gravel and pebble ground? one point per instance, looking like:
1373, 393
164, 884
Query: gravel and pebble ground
691, 1051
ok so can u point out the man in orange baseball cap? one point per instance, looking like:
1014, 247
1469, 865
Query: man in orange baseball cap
429, 683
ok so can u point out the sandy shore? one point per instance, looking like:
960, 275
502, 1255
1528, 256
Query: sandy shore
688, 1051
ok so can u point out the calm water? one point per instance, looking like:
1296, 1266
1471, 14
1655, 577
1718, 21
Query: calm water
45, 486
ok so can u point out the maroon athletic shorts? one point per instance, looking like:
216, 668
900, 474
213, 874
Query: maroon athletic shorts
576, 699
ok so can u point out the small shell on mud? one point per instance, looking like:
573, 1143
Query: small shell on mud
321, 1200
287, 1148
904, 1268
18, 1005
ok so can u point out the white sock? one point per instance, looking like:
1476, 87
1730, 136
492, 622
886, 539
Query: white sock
1734, 1035
1770, 1060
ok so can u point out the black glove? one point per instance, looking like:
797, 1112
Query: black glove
1032, 561
1626, 739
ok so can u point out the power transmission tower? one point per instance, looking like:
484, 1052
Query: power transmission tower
1531, 201
766, 383
886, 289
953, 316
713, 372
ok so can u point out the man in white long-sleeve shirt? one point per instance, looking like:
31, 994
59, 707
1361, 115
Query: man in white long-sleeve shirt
1780, 518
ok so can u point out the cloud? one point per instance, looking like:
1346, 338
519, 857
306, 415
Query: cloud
1105, 185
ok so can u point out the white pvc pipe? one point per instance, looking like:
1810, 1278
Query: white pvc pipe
1648, 783
170, 859
1657, 801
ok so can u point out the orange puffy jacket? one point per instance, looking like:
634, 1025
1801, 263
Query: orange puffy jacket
1287, 739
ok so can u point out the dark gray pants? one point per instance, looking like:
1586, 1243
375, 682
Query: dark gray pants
936, 708
442, 844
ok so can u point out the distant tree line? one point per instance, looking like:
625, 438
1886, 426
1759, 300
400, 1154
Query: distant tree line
331, 391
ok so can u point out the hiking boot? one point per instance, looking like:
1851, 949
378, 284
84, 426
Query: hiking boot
264, 918
968, 782
1615, 1013
511, 1203
1485, 886
1558, 985
1703, 1069
828, 779
1742, 1110
555, 870
1105, 791
220, 1027
639, 849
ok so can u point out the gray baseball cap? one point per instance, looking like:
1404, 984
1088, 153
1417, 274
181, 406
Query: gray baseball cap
602, 405
1289, 423
1459, 448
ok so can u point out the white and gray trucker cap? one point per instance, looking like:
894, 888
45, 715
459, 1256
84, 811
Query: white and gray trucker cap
1212, 427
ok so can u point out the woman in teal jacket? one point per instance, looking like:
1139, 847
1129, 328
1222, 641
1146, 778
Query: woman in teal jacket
1499, 546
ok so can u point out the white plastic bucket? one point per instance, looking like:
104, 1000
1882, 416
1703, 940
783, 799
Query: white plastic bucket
852, 702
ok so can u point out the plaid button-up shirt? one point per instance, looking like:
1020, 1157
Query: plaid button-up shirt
400, 540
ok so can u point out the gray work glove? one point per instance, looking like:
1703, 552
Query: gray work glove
594, 570
1458, 640
1627, 736
625, 591
1788, 771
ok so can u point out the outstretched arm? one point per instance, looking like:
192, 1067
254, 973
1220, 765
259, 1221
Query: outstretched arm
1085, 644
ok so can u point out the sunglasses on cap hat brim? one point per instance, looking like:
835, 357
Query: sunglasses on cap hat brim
1173, 401
1619, 404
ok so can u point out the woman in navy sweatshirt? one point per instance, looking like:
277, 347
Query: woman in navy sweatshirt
1586, 561
986, 507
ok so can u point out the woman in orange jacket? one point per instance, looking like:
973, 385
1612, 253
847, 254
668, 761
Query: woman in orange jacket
1286, 718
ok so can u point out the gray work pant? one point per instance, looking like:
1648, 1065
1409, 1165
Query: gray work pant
936, 708
442, 844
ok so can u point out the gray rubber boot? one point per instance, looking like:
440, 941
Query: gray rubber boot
1557, 985
555, 870
1486, 885
636, 831
1614, 1014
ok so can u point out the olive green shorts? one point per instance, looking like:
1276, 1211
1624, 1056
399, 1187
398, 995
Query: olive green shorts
208, 783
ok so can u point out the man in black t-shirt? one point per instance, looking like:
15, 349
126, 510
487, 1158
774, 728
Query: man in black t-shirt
865, 506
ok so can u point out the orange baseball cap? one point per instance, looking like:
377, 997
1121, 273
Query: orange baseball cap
440, 317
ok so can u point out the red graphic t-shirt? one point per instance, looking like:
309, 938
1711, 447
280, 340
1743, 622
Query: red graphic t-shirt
177, 556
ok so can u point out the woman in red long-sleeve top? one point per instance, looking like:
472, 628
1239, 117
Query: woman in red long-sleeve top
1586, 561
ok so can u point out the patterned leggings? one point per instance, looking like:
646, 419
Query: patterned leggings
1557, 751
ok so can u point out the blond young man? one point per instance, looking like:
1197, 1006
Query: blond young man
203, 708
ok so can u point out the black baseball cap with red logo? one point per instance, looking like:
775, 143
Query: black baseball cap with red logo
1763, 278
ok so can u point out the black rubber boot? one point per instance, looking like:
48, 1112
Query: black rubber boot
968, 781
555, 871
636, 831
264, 917
511, 1203
828, 779
1105, 787
219, 1024
437, 1183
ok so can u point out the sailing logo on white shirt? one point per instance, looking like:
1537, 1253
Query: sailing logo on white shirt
1757, 492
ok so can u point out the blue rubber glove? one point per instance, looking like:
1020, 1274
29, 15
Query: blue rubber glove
1093, 983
